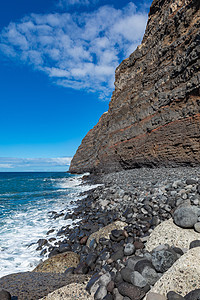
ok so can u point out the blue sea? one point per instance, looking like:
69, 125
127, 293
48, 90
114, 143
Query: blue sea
26, 204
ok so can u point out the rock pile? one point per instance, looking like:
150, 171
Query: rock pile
127, 239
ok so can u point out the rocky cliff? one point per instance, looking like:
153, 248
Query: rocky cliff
154, 113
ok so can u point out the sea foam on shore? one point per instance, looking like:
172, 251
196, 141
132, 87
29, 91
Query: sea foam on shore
28, 202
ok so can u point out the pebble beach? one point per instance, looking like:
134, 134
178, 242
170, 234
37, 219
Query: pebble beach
135, 236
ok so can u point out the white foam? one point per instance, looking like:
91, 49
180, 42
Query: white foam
20, 231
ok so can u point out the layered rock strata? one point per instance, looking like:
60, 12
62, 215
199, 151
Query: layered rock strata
154, 113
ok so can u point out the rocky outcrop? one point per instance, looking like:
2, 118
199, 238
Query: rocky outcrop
154, 113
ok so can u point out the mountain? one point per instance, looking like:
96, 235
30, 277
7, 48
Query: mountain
154, 113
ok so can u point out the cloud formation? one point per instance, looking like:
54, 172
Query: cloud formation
66, 3
34, 164
76, 51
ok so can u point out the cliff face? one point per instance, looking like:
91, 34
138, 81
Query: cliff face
154, 113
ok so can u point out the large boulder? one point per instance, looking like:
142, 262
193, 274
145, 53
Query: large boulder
105, 231
71, 291
169, 233
35, 285
58, 263
186, 216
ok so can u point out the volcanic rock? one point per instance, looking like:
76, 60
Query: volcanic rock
58, 263
154, 113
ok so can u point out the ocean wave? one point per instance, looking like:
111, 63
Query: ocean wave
30, 221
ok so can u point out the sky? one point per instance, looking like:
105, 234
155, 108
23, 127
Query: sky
57, 66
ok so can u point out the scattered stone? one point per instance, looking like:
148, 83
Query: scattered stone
137, 279
100, 293
129, 249
105, 279
117, 295
110, 286
105, 231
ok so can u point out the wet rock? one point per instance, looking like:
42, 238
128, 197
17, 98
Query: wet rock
64, 248
41, 243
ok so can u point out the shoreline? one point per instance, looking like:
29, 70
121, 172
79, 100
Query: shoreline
139, 198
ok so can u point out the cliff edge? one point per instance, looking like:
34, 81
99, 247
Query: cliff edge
154, 113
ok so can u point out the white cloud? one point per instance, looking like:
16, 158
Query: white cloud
6, 166
66, 3
76, 51
34, 163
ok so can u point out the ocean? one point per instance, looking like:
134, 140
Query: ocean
27, 201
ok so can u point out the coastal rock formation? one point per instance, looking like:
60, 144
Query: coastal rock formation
154, 113
169, 233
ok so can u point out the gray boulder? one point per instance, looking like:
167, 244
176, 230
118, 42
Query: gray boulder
162, 260
186, 216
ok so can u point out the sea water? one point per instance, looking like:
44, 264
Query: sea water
26, 204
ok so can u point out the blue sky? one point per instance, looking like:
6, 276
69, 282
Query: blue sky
57, 63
